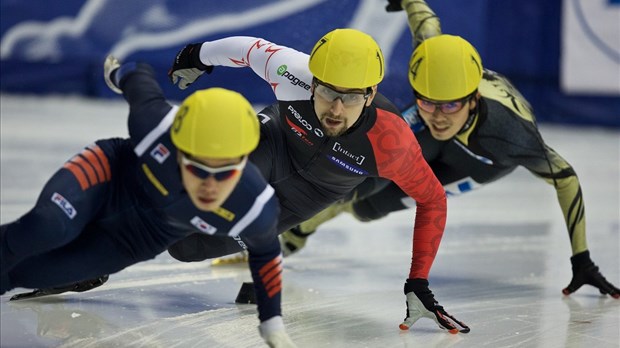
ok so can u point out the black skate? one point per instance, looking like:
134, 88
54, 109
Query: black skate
75, 287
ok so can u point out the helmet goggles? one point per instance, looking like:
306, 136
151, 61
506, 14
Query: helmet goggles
204, 171
446, 107
348, 99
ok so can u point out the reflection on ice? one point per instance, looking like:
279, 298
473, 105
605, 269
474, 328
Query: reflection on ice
503, 261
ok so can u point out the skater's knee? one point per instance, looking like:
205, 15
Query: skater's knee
49, 230
363, 210
187, 250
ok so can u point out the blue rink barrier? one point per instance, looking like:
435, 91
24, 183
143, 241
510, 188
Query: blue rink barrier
60, 49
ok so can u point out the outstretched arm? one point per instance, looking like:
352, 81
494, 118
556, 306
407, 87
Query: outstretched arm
561, 175
285, 69
423, 22
399, 159
529, 150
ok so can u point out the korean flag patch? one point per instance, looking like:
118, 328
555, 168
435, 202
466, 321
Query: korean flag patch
202, 225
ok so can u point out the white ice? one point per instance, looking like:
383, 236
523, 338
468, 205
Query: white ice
502, 264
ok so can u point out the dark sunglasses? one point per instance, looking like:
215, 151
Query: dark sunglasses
203, 171
450, 107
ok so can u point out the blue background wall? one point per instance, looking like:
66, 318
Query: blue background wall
60, 48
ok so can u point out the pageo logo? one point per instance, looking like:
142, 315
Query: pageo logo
282, 71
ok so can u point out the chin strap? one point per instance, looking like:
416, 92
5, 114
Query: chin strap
473, 114
359, 119
470, 121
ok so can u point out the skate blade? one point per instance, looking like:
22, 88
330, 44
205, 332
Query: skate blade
33, 294
224, 261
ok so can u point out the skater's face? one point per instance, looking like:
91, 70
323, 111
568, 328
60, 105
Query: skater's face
209, 181
339, 108
445, 119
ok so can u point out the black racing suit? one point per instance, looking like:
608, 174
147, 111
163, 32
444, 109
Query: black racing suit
310, 170
503, 136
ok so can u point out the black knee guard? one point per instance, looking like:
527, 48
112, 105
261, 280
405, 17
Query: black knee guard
199, 247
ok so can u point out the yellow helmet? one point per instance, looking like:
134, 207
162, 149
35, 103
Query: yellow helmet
445, 67
347, 58
216, 123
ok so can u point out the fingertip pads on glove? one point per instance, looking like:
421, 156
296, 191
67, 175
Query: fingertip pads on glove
110, 67
421, 303
586, 272
187, 66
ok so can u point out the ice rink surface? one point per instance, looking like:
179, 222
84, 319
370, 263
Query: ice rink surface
502, 264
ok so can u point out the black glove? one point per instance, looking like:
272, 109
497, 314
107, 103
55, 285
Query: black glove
421, 303
393, 6
586, 272
187, 66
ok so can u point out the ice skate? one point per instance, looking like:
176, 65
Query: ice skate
232, 259
75, 287
109, 67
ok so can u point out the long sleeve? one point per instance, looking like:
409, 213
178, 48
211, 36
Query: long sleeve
265, 258
556, 171
266, 269
275, 64
399, 158
516, 140
423, 23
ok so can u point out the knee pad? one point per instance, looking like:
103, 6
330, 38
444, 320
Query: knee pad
187, 250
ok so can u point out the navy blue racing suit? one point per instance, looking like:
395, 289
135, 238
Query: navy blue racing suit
121, 201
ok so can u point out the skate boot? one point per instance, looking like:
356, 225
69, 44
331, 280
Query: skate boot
293, 240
